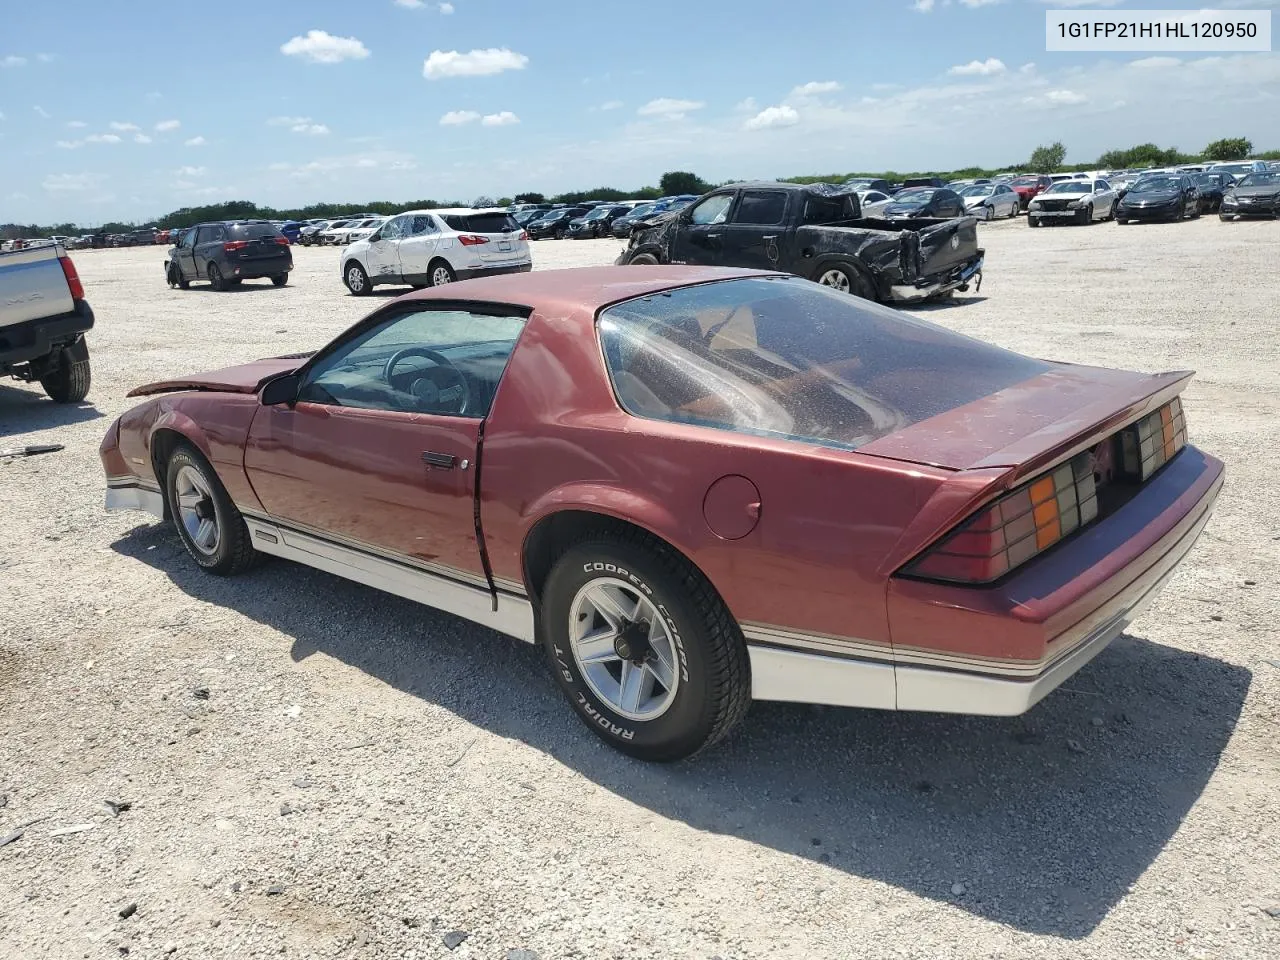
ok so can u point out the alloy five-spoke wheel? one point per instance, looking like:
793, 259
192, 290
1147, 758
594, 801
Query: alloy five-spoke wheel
836, 279
195, 509
623, 648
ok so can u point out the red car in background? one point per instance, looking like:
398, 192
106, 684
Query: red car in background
1029, 186
695, 487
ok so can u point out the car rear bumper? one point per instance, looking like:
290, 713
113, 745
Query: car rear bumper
931, 286
34, 339
997, 651
472, 273
256, 269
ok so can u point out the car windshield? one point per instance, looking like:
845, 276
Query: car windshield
1234, 168
1070, 186
916, 196
860, 182
791, 359
1151, 184
642, 211
980, 190
1269, 179
599, 213
1025, 182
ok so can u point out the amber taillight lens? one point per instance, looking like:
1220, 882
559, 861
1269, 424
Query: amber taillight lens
1032, 518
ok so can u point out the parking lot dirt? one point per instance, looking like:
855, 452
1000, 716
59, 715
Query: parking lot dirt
316, 769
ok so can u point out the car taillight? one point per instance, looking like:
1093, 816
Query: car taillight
1149, 444
232, 245
1029, 520
524, 235
471, 240
283, 241
1016, 527
73, 278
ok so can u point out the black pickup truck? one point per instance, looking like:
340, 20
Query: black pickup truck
815, 231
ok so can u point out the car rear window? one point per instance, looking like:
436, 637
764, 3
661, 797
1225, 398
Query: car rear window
791, 359
253, 231
481, 222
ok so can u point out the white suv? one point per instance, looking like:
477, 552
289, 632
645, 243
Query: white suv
426, 248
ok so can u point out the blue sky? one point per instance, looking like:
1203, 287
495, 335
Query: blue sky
131, 109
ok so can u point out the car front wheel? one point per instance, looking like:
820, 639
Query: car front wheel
210, 526
356, 279
643, 646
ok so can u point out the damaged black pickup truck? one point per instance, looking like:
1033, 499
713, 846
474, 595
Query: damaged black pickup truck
815, 231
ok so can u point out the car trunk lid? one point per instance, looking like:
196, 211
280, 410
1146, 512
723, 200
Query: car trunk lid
1035, 423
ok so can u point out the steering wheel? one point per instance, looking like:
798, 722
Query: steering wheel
428, 390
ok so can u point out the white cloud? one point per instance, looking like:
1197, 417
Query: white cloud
1081, 3
979, 3
123, 127
611, 105
194, 142
445, 8
409, 4
783, 116
815, 87
503, 119
76, 124
320, 47
670, 108
46, 57
477, 63
1029, 67
922, 6
456, 118
70, 182
978, 68
193, 171
12, 61
164, 126
1155, 62
1065, 97
748, 105
141, 138
42, 112
70, 144
102, 138
310, 129
287, 121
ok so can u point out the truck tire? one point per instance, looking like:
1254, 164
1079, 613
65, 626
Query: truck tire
674, 677
846, 280
69, 381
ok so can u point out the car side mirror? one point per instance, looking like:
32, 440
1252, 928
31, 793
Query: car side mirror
375, 236
281, 390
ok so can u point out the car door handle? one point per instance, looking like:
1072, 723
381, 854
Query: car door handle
444, 461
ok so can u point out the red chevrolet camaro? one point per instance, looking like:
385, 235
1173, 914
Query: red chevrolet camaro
696, 487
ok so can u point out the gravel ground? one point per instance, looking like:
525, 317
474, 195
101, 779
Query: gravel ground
319, 770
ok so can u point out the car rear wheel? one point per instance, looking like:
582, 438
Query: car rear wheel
846, 280
440, 273
280, 279
69, 380
643, 260
356, 279
643, 646
210, 526
561, 233
215, 277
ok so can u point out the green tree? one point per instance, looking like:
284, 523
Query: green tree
1233, 148
681, 181
1047, 159
529, 198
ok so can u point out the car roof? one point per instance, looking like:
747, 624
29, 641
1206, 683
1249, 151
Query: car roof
581, 291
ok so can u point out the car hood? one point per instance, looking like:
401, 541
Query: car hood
1260, 190
1150, 196
906, 209
976, 201
245, 378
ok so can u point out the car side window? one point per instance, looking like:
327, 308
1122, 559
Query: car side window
394, 229
423, 224
442, 362
712, 210
764, 207
1103, 185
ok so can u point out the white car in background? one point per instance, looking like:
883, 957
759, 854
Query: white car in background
342, 234
873, 202
988, 201
1073, 201
427, 248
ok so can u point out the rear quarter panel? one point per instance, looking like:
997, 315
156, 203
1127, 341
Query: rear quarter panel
557, 440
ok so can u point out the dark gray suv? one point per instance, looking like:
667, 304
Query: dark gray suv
226, 253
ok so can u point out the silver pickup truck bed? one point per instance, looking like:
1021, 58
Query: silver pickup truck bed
43, 318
